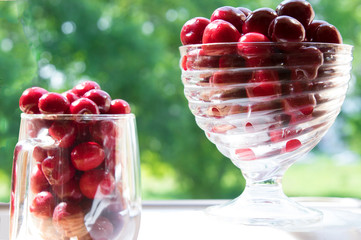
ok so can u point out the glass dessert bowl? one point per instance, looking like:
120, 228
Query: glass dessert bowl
265, 105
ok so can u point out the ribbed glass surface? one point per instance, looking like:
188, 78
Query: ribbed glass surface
265, 101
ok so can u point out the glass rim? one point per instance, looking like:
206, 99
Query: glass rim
77, 116
321, 44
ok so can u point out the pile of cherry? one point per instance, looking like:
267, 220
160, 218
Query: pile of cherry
275, 60
293, 21
79, 168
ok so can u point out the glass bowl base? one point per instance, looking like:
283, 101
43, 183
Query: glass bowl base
278, 212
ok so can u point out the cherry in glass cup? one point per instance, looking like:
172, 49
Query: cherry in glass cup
76, 177
265, 105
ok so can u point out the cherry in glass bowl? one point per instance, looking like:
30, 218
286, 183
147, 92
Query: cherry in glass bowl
76, 176
265, 105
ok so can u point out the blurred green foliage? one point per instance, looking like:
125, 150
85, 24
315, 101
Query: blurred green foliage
131, 48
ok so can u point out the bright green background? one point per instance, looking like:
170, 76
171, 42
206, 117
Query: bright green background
131, 48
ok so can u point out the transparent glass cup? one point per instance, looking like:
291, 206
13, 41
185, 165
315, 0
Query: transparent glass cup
76, 177
265, 105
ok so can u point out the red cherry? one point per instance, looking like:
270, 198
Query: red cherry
227, 77
70, 96
246, 154
119, 106
192, 30
287, 29
298, 9
68, 191
245, 11
231, 61
311, 30
101, 99
230, 14
220, 31
292, 145
255, 54
84, 106
65, 210
53, 103
69, 216
304, 62
96, 182
39, 154
57, 169
43, 205
29, 99
83, 87
259, 21
265, 83
87, 155
38, 182
197, 59
184, 62
64, 132
302, 103
104, 132
102, 229
327, 33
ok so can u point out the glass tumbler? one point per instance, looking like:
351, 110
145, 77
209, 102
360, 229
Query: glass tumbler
76, 177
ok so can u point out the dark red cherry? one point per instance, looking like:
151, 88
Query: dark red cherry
119, 106
87, 155
230, 77
192, 30
64, 132
29, 99
311, 30
299, 103
327, 33
231, 61
53, 103
304, 62
259, 21
246, 11
287, 29
230, 14
101, 98
84, 106
83, 87
298, 9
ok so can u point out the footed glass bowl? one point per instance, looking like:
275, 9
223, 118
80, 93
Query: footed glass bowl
265, 105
